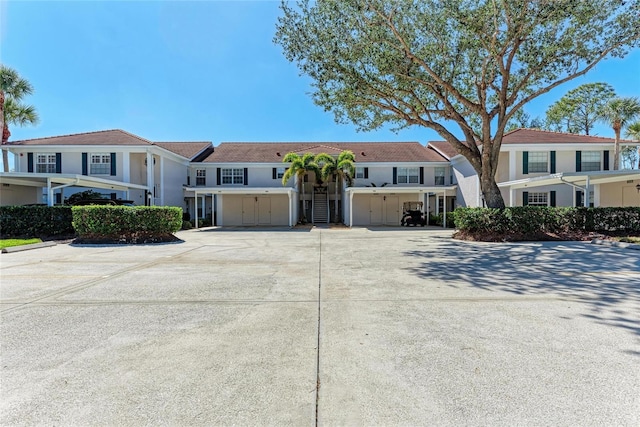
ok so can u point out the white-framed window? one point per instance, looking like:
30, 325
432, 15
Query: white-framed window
538, 199
591, 161
232, 176
46, 163
201, 177
538, 161
408, 175
100, 164
359, 172
280, 172
440, 173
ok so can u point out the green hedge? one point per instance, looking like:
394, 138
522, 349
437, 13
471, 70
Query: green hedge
36, 221
126, 223
537, 219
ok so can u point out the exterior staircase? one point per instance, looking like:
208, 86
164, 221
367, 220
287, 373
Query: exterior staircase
320, 214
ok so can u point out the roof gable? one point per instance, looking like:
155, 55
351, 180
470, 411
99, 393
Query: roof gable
189, 150
104, 137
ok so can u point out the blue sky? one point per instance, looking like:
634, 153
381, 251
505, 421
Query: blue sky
189, 71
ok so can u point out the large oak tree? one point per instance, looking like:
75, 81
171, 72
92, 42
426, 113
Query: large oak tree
462, 68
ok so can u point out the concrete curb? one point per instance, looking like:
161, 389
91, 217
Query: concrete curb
624, 245
27, 247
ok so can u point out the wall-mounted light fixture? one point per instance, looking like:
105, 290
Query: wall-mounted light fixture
638, 187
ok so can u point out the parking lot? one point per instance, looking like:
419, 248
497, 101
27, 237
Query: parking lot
321, 326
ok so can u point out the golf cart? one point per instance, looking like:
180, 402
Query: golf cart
412, 214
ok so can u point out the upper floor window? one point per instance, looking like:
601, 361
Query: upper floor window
591, 161
201, 177
46, 163
232, 176
538, 161
100, 164
359, 172
280, 172
408, 175
440, 172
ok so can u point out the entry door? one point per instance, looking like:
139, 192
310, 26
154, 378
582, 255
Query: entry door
248, 211
264, 210
375, 210
393, 210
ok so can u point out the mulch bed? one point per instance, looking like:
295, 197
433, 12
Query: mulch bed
540, 236
135, 239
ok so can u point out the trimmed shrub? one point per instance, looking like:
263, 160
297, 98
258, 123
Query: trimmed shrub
436, 219
186, 225
36, 221
131, 224
537, 220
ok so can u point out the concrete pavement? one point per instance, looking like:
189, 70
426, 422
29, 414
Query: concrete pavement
413, 329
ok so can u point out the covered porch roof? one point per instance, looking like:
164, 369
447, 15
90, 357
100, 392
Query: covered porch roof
574, 179
56, 181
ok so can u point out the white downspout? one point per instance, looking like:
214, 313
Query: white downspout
586, 194
49, 193
444, 211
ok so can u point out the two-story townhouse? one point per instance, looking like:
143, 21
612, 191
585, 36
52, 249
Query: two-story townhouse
241, 184
113, 162
546, 168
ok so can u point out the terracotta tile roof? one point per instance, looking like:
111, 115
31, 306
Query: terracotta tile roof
274, 152
104, 137
537, 136
190, 150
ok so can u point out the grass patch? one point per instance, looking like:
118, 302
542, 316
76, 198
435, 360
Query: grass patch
7, 243
628, 239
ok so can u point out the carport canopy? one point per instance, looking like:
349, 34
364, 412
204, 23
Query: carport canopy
579, 180
55, 181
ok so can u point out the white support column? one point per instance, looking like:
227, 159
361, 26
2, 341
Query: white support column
437, 203
150, 180
444, 209
49, 193
195, 205
426, 210
162, 181
512, 197
586, 194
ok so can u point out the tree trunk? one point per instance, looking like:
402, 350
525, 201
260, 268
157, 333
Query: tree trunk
5, 153
616, 148
491, 192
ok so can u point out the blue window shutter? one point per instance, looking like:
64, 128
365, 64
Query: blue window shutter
525, 198
58, 162
605, 160
395, 175
85, 161
113, 164
58, 198
421, 175
525, 162
366, 173
246, 176
274, 173
553, 162
29, 162
552, 198
218, 179
578, 161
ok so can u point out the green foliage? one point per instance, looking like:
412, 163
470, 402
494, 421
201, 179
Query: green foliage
35, 221
531, 220
125, 223
436, 219
579, 109
186, 225
443, 63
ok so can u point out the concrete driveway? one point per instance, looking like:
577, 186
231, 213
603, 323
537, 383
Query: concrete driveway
322, 326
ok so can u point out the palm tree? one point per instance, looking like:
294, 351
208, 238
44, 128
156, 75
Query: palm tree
13, 88
342, 169
633, 132
299, 167
617, 113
